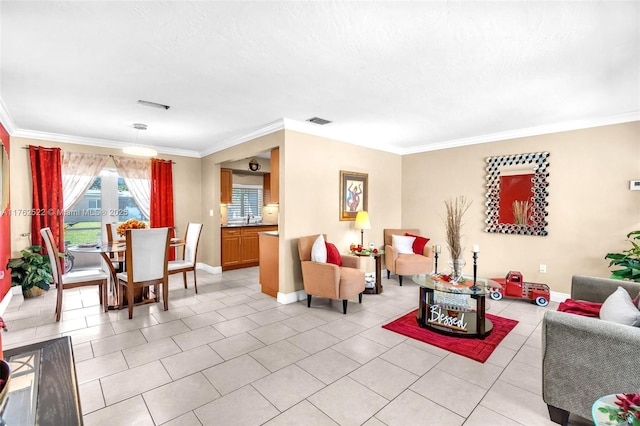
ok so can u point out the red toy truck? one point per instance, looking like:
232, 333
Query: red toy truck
513, 286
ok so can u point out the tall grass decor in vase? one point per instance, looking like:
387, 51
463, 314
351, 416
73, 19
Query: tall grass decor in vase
456, 208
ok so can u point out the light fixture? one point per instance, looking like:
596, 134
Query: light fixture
139, 150
362, 223
254, 166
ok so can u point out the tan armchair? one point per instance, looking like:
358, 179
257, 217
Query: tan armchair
329, 280
405, 264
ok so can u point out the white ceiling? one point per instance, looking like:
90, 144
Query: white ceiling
398, 76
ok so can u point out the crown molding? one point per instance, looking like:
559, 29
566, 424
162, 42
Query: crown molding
527, 132
267, 129
79, 140
5, 118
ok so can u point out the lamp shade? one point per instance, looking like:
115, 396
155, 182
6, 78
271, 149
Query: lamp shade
362, 221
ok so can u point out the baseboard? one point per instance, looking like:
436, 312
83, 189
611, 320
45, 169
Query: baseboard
208, 268
6, 300
556, 296
296, 296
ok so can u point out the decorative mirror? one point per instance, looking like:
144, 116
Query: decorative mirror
517, 194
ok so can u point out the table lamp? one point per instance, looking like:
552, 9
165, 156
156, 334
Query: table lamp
362, 223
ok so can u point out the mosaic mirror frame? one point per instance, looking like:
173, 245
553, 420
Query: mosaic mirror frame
537, 219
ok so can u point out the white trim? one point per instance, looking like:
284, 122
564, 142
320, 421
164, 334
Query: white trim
312, 129
6, 300
5, 118
207, 268
267, 129
296, 296
526, 132
559, 297
79, 140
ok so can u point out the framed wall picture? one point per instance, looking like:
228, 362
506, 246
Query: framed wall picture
354, 194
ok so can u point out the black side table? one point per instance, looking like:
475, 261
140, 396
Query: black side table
51, 397
378, 257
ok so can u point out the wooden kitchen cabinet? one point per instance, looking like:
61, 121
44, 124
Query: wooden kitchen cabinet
275, 176
266, 189
249, 246
226, 186
240, 246
231, 246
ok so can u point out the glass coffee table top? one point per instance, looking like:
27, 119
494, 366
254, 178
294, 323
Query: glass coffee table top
436, 282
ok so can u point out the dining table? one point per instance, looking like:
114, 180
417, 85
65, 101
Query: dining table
114, 252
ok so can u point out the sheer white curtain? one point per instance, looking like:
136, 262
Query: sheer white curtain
79, 169
137, 175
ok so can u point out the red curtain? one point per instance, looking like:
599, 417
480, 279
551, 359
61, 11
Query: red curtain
46, 172
162, 196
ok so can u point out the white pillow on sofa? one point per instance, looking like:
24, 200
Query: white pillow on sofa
319, 250
403, 244
619, 308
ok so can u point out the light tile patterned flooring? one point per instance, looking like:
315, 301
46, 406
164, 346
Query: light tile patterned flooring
234, 356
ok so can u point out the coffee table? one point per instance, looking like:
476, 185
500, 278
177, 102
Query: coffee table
453, 309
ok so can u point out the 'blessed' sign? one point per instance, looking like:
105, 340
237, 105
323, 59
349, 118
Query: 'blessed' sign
438, 317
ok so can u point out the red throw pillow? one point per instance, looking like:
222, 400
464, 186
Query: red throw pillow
418, 243
333, 255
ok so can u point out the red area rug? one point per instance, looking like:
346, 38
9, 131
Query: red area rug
476, 349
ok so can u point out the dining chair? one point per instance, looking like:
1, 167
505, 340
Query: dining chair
117, 258
74, 278
188, 262
147, 253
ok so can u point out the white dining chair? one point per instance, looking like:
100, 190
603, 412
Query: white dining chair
188, 262
73, 278
146, 259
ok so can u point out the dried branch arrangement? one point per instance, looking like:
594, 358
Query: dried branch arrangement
521, 212
456, 208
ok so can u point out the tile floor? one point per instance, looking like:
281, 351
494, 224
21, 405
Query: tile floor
234, 356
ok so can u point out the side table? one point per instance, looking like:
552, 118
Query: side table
377, 289
43, 389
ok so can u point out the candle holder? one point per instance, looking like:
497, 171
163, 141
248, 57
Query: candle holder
435, 255
474, 287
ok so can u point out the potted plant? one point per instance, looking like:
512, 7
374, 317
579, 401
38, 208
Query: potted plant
32, 271
628, 260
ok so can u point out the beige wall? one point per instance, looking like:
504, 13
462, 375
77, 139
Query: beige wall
186, 185
310, 193
591, 208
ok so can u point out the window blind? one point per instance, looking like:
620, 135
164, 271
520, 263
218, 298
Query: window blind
246, 200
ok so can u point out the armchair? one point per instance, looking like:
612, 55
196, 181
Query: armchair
329, 280
585, 358
405, 264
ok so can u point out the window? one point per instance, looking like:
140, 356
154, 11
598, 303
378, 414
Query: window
246, 202
106, 201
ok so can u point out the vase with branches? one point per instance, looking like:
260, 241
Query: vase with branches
456, 208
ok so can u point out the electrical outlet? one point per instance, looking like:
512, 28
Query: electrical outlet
543, 268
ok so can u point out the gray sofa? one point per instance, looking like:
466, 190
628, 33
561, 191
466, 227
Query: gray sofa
586, 358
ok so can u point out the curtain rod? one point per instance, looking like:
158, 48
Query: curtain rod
172, 162
37, 147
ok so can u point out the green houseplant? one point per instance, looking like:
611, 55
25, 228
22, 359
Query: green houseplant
628, 260
30, 270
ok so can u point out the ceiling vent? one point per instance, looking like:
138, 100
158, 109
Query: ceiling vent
318, 120
153, 104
